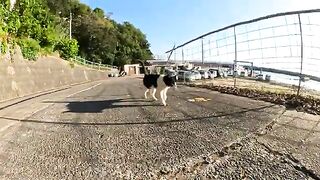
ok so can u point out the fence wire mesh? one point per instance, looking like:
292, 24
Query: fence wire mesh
285, 47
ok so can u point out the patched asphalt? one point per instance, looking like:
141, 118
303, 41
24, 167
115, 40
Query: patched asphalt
111, 132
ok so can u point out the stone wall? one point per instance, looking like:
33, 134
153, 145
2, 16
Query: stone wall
20, 77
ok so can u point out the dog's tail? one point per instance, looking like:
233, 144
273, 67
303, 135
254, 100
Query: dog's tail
144, 67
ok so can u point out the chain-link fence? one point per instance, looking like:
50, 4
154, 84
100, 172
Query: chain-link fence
283, 48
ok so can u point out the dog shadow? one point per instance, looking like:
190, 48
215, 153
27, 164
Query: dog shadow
99, 106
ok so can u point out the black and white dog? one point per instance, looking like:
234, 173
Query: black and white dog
158, 82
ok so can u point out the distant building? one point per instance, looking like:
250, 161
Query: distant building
132, 69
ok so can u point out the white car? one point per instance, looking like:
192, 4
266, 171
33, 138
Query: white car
204, 74
190, 76
181, 75
186, 76
197, 75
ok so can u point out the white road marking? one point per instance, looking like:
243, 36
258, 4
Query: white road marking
7, 126
84, 90
2, 129
38, 110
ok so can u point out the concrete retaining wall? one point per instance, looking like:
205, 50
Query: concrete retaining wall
21, 77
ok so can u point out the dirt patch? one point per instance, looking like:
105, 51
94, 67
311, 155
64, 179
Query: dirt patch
271, 86
309, 104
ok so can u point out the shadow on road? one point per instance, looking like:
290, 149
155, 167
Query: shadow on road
99, 106
32, 97
103, 104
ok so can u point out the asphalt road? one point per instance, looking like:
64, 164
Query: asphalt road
106, 130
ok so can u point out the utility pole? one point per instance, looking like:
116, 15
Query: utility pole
70, 25
12, 3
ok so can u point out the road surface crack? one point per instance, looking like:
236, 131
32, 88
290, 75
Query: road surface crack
198, 164
295, 163
263, 131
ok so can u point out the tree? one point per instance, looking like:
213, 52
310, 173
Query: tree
133, 43
59, 7
32, 26
101, 39
99, 12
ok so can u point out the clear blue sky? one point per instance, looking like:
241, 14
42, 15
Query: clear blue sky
166, 22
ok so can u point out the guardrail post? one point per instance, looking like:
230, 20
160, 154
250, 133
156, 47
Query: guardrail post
301, 55
182, 55
202, 53
235, 57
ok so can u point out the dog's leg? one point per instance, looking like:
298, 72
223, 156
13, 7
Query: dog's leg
165, 90
154, 94
162, 98
145, 94
165, 93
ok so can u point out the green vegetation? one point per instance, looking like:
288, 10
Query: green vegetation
30, 48
68, 48
42, 26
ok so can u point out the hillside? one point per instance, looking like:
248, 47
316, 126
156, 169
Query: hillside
42, 27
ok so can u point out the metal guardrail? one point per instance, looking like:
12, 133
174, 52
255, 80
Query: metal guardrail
284, 45
246, 22
93, 65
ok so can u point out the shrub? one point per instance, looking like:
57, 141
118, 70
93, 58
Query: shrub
4, 46
49, 40
29, 47
68, 48
46, 50
71, 63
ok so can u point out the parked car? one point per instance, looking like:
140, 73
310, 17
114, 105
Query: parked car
189, 76
260, 77
214, 72
219, 72
186, 76
113, 75
204, 74
210, 75
197, 75
181, 74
